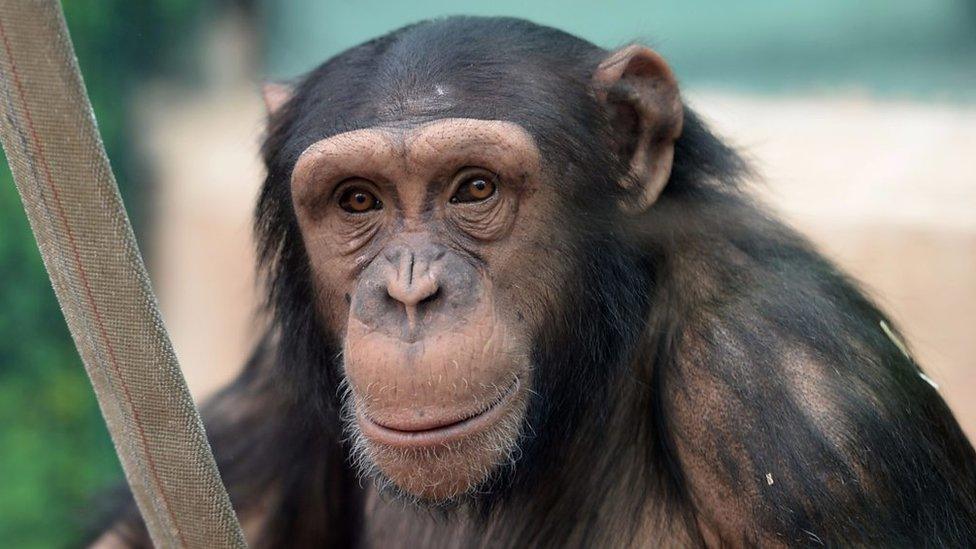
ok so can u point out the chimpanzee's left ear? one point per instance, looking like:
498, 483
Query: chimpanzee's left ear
275, 95
645, 111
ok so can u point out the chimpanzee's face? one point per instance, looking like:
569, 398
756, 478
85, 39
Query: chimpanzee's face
420, 237
456, 202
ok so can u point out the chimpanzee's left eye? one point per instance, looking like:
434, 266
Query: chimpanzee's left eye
474, 185
356, 200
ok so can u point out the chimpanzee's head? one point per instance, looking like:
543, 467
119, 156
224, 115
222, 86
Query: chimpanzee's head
441, 220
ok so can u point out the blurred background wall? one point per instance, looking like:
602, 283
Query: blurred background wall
861, 117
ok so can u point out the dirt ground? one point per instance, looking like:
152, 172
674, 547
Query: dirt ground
887, 189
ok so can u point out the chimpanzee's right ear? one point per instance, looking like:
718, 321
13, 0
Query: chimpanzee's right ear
275, 95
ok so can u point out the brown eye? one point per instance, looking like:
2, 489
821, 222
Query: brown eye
475, 186
356, 200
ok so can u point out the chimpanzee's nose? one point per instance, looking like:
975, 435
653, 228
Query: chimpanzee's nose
413, 277
415, 288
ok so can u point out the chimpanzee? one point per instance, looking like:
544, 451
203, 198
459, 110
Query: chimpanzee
520, 299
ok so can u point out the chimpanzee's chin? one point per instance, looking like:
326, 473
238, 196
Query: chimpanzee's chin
439, 462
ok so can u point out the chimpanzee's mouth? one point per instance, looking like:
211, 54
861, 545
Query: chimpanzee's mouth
435, 431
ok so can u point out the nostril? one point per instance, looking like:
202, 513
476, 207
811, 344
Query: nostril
390, 298
432, 297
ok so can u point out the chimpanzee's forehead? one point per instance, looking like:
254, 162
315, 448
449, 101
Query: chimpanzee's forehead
474, 68
478, 89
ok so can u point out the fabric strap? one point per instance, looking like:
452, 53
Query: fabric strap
73, 204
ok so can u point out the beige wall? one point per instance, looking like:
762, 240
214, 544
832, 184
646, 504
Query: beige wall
885, 188
204, 151
888, 190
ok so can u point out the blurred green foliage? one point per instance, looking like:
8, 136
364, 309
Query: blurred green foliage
55, 452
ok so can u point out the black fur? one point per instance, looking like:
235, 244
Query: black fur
891, 468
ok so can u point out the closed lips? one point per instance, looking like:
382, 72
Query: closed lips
434, 431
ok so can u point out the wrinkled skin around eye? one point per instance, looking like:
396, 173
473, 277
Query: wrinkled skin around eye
488, 219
